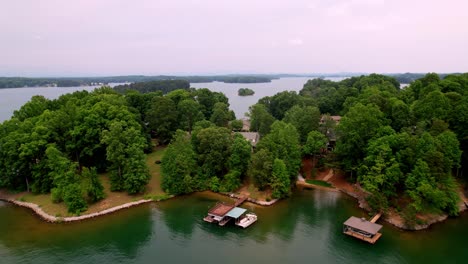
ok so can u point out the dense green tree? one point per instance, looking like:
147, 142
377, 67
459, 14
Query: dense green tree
280, 182
125, 153
240, 154
231, 181
356, 128
400, 115
237, 125
213, 151
207, 100
260, 168
35, 107
221, 115
260, 119
305, 119
316, 141
433, 105
162, 118
283, 143
179, 95
189, 113
92, 185
179, 165
280, 103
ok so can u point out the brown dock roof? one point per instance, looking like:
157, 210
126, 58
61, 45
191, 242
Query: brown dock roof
220, 209
362, 224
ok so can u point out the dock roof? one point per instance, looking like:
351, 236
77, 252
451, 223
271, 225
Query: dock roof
220, 209
236, 212
363, 224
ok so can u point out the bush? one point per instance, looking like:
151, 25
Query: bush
56, 195
231, 181
74, 200
214, 184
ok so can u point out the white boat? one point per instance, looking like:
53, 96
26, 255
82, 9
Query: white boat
246, 221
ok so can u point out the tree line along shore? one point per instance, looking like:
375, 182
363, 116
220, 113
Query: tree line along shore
18, 82
404, 147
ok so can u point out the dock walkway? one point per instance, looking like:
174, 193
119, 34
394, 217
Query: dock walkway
240, 201
375, 218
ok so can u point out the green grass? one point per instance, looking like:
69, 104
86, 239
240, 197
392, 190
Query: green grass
320, 183
153, 191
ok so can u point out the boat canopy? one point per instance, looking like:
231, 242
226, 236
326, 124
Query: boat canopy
236, 212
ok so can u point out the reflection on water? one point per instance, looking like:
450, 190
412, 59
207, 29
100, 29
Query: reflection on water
27, 238
305, 227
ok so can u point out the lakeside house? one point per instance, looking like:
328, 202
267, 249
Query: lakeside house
324, 118
245, 124
252, 137
327, 126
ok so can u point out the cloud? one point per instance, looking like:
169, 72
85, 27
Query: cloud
295, 42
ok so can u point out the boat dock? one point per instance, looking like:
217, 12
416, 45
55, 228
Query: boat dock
223, 213
362, 229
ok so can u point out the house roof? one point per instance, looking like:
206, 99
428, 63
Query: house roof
253, 137
363, 224
236, 212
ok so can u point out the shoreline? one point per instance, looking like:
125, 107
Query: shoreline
391, 217
54, 219
37, 210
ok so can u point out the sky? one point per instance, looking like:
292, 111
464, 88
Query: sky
152, 37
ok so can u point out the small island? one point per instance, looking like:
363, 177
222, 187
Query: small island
245, 92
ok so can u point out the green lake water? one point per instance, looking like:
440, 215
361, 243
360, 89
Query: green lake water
305, 228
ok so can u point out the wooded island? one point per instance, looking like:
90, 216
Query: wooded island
245, 92
403, 146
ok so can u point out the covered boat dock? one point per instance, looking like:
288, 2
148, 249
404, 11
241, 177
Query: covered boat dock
222, 213
362, 229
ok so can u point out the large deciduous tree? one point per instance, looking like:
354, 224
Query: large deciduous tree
305, 119
179, 165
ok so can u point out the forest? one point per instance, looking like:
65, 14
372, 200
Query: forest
406, 147
18, 82
59, 146
403, 146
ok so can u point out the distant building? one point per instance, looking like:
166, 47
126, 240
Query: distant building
324, 118
253, 137
245, 124
327, 126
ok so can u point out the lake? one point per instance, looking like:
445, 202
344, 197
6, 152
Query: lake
305, 228
13, 98
240, 104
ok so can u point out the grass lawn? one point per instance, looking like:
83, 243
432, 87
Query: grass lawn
320, 183
153, 190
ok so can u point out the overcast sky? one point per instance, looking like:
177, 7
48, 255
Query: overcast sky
113, 37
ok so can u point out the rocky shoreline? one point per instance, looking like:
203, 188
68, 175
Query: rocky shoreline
394, 218
58, 219
55, 219
251, 200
